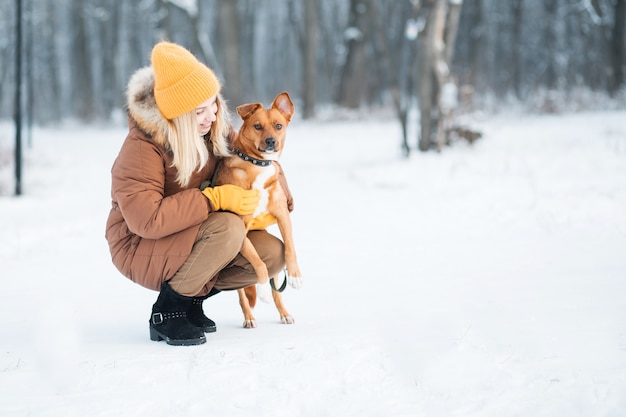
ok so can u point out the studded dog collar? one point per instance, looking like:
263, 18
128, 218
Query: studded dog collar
259, 162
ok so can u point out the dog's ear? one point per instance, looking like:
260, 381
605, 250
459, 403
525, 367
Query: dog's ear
246, 110
284, 105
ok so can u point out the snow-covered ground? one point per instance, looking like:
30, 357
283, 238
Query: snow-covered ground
485, 281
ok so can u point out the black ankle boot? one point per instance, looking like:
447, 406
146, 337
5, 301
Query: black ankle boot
196, 316
169, 320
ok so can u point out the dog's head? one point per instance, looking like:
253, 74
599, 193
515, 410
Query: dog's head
262, 134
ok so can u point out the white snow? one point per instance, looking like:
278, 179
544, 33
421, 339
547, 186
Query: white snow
486, 281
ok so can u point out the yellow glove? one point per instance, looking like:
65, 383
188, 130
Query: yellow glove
233, 198
261, 222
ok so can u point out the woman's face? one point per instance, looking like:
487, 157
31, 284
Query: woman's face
205, 115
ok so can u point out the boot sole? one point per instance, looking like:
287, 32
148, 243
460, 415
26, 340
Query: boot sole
157, 336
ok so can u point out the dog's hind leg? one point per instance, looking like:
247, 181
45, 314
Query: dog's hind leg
285, 317
249, 321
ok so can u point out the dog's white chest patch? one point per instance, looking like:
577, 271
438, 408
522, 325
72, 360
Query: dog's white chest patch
259, 184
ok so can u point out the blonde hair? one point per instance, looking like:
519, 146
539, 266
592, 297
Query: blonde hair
189, 150
220, 130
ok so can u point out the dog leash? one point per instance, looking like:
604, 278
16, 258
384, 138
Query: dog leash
284, 284
211, 182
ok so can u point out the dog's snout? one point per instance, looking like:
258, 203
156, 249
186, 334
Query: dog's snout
270, 142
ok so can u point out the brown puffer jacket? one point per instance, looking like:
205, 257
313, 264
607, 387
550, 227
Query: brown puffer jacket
153, 222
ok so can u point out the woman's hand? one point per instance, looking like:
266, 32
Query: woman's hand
233, 198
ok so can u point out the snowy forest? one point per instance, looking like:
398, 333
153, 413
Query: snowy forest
485, 280
337, 54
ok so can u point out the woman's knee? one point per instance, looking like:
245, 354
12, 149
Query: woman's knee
225, 227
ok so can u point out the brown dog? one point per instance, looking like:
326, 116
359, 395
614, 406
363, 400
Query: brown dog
256, 147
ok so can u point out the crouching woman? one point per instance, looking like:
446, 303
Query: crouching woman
164, 233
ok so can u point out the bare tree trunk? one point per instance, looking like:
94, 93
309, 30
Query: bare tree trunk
331, 35
82, 87
437, 48
354, 74
617, 47
516, 16
310, 58
440, 67
451, 29
200, 44
550, 9
427, 82
447, 103
48, 104
112, 84
30, 79
228, 38
476, 43
401, 74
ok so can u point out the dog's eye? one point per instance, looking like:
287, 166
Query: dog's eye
258, 126
279, 126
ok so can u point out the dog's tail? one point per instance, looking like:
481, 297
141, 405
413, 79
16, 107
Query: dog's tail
251, 295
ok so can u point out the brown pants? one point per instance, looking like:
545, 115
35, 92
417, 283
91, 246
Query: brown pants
215, 261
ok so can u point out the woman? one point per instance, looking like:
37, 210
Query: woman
164, 233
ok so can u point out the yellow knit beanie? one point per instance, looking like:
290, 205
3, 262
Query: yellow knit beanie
181, 82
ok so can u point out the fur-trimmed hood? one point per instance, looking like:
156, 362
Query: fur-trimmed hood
142, 106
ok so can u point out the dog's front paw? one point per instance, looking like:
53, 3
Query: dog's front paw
249, 324
295, 282
264, 292
287, 319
